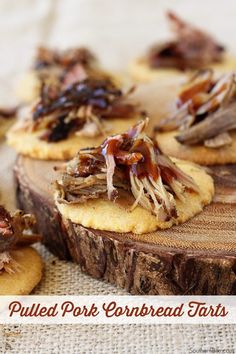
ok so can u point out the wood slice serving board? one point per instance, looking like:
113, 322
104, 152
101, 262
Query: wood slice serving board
198, 257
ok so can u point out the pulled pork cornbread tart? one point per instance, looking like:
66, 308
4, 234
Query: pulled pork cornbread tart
203, 128
61, 68
127, 185
20, 265
190, 49
63, 121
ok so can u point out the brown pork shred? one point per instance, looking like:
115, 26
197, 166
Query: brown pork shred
16, 231
190, 49
46, 57
66, 67
8, 113
205, 110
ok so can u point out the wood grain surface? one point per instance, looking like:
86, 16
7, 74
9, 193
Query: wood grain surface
198, 257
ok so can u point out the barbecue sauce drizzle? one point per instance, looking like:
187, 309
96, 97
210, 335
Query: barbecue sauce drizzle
102, 96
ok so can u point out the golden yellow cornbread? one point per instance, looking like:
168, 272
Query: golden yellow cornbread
111, 216
140, 71
197, 153
26, 277
29, 144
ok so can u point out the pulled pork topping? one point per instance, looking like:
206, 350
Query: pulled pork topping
7, 113
191, 48
66, 67
206, 110
129, 162
80, 109
15, 231
46, 57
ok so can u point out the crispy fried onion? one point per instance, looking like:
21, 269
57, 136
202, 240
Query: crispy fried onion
15, 231
205, 110
190, 49
80, 109
130, 162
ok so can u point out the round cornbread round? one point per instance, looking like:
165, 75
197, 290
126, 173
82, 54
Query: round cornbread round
29, 144
197, 153
140, 71
26, 277
110, 216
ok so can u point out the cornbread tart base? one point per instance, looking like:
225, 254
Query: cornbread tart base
111, 216
197, 153
140, 71
197, 257
27, 275
29, 144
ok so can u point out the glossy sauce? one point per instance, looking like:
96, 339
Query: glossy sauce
146, 167
139, 159
192, 91
168, 175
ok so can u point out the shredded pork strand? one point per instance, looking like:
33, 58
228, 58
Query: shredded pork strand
190, 48
16, 230
206, 110
8, 264
81, 109
130, 162
65, 67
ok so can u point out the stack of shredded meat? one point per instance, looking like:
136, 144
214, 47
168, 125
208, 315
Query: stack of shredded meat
191, 48
80, 109
15, 231
130, 162
206, 110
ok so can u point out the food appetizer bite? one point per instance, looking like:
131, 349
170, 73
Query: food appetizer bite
127, 185
7, 118
203, 129
62, 122
190, 49
59, 67
20, 265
